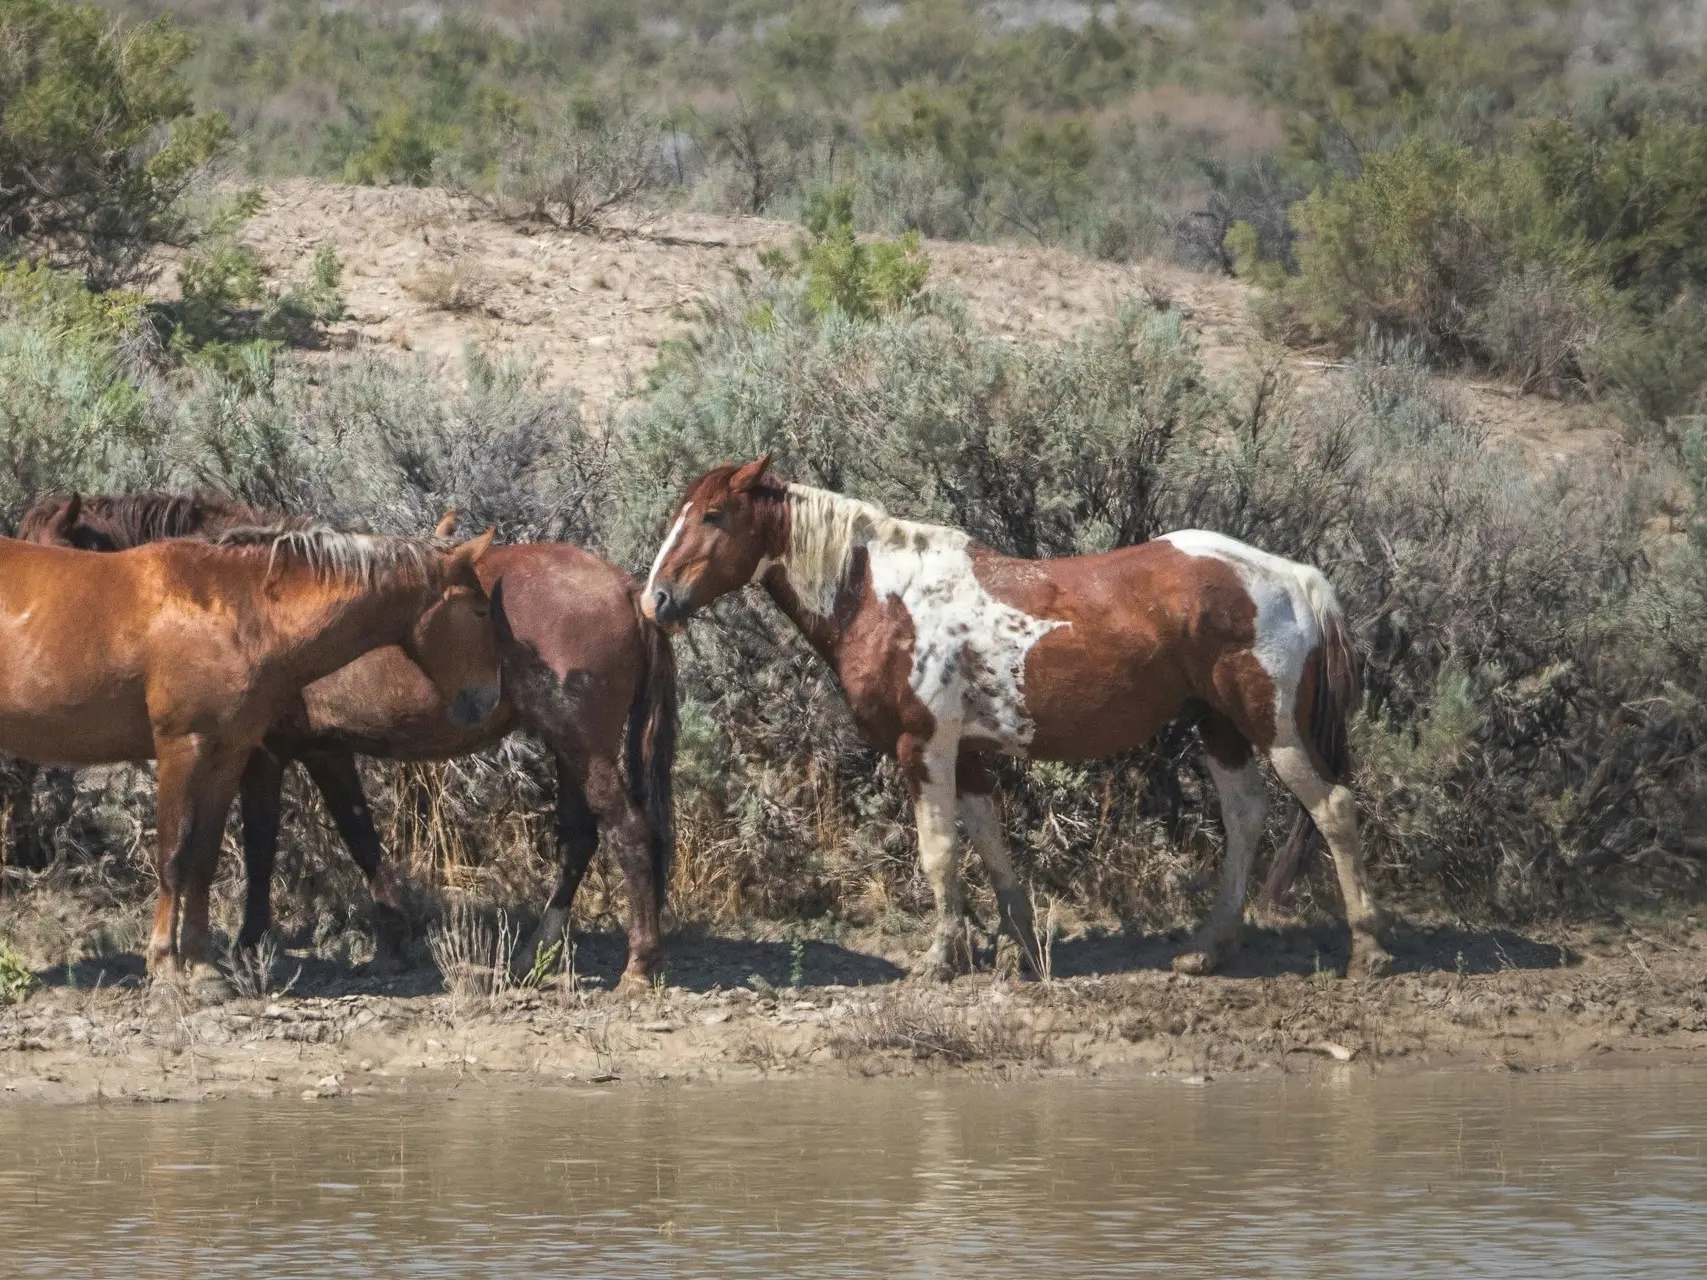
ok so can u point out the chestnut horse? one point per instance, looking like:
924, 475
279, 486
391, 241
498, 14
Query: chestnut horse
581, 664
188, 652
949, 652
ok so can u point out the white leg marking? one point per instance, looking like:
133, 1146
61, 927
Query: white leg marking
933, 813
984, 829
1244, 802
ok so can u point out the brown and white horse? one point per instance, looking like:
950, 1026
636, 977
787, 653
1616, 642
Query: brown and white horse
949, 652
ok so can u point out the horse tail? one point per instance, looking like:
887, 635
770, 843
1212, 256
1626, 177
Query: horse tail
1335, 684
652, 750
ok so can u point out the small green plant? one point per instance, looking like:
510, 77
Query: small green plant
797, 961
544, 966
862, 280
15, 976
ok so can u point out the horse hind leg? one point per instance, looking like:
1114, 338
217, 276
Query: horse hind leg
1334, 811
621, 823
577, 835
339, 782
1244, 803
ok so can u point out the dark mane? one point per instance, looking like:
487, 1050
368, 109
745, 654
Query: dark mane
131, 519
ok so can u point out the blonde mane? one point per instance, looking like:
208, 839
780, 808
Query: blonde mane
358, 559
825, 529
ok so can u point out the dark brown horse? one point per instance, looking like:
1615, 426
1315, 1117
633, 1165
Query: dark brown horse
949, 652
581, 665
189, 652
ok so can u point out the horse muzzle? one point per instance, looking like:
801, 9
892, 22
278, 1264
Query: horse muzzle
473, 706
666, 608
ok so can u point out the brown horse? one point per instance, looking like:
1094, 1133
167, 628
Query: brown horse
949, 652
581, 664
188, 652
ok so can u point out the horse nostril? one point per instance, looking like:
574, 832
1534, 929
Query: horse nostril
660, 601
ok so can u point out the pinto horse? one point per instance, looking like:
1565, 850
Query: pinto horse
188, 652
581, 665
949, 652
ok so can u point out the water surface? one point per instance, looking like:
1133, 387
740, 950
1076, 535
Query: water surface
1592, 1175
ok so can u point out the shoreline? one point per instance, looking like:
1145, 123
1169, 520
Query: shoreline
1628, 1000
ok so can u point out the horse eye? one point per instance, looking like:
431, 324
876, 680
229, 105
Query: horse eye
716, 518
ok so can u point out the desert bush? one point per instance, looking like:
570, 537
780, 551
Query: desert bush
1542, 326
912, 191
1406, 248
99, 139
575, 171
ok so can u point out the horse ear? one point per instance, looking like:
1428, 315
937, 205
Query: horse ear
66, 518
747, 478
446, 525
468, 554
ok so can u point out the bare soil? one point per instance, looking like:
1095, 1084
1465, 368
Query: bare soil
426, 272
1461, 998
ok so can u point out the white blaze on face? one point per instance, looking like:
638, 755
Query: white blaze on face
969, 649
664, 551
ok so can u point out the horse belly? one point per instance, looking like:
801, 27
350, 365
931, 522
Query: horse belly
1090, 696
90, 731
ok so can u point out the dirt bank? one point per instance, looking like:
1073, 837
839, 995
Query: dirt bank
426, 272
1462, 998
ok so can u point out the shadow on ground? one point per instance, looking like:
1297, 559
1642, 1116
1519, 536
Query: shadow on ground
699, 961
1305, 949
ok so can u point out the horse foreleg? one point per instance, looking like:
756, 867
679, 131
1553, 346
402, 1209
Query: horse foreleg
339, 782
928, 766
259, 791
196, 784
1244, 803
984, 829
24, 847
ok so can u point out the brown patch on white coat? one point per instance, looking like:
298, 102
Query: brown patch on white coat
949, 652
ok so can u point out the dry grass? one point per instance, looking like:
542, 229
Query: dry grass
460, 285
472, 951
920, 1024
252, 973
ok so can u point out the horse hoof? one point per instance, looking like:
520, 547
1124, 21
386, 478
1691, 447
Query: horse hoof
208, 985
1195, 964
1369, 960
388, 964
935, 966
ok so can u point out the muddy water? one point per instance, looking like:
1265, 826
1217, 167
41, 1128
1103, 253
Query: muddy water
1593, 1175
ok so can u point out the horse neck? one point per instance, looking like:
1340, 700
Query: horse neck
324, 624
824, 633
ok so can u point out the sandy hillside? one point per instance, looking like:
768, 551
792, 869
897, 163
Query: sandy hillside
425, 273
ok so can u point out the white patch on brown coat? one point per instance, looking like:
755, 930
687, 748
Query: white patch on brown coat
969, 648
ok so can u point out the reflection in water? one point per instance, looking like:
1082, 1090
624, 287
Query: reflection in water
1590, 1175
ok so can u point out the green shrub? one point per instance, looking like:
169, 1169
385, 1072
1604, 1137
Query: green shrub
859, 279
15, 976
99, 138
1409, 247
